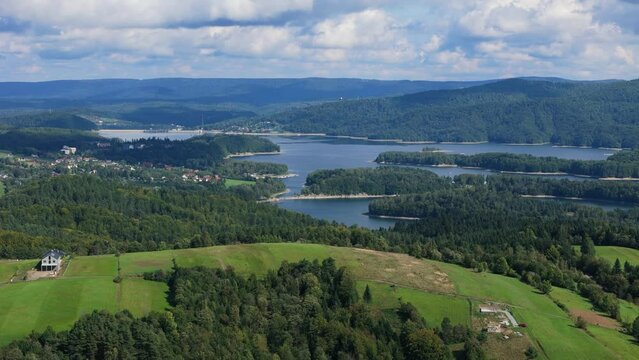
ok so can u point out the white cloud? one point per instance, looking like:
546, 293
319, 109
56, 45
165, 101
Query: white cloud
441, 39
457, 61
433, 44
625, 54
144, 13
369, 28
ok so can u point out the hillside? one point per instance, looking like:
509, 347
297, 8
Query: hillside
435, 289
508, 111
252, 91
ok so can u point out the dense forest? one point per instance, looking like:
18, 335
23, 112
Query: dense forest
43, 141
624, 164
197, 152
511, 111
301, 311
388, 180
87, 215
372, 181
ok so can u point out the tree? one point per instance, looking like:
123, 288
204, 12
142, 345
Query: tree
446, 331
424, 344
368, 297
616, 268
472, 350
588, 247
581, 323
531, 352
501, 266
635, 328
545, 287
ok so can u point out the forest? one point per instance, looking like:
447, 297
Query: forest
88, 215
562, 113
389, 180
372, 181
198, 152
624, 164
306, 310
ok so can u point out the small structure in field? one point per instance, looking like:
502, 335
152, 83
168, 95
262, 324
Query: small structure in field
68, 150
51, 261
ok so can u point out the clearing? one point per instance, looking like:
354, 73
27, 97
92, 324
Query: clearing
235, 182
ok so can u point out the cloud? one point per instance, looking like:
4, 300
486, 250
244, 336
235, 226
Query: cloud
146, 13
438, 39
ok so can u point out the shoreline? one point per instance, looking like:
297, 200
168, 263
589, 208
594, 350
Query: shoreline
618, 179
247, 154
328, 197
554, 197
362, 138
390, 217
273, 176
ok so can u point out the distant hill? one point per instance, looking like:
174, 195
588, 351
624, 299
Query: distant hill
602, 114
63, 120
249, 91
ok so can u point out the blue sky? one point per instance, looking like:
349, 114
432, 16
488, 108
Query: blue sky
400, 39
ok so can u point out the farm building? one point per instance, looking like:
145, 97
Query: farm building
51, 260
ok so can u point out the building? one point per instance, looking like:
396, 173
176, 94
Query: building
51, 260
68, 150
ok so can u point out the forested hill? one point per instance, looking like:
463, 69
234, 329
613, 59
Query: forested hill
249, 91
600, 114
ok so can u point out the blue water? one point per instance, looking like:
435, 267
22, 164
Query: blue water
304, 154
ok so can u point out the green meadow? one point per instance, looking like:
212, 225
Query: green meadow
612, 253
436, 289
236, 182
8, 268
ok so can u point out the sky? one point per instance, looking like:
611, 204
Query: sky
376, 39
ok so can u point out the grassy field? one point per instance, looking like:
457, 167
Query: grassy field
612, 253
103, 265
9, 267
550, 327
433, 307
235, 182
436, 289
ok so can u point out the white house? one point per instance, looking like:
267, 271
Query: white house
51, 260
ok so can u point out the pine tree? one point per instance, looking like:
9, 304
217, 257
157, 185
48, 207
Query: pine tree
616, 269
368, 297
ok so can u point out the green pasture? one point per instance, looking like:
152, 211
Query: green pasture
9, 267
236, 182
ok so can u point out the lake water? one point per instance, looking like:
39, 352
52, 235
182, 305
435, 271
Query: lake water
304, 154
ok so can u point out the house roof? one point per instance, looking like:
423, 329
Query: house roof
54, 253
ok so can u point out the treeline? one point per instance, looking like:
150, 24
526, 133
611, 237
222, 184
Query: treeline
618, 191
87, 215
510, 111
623, 165
301, 311
484, 229
372, 181
197, 152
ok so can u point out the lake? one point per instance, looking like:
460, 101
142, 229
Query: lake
304, 154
